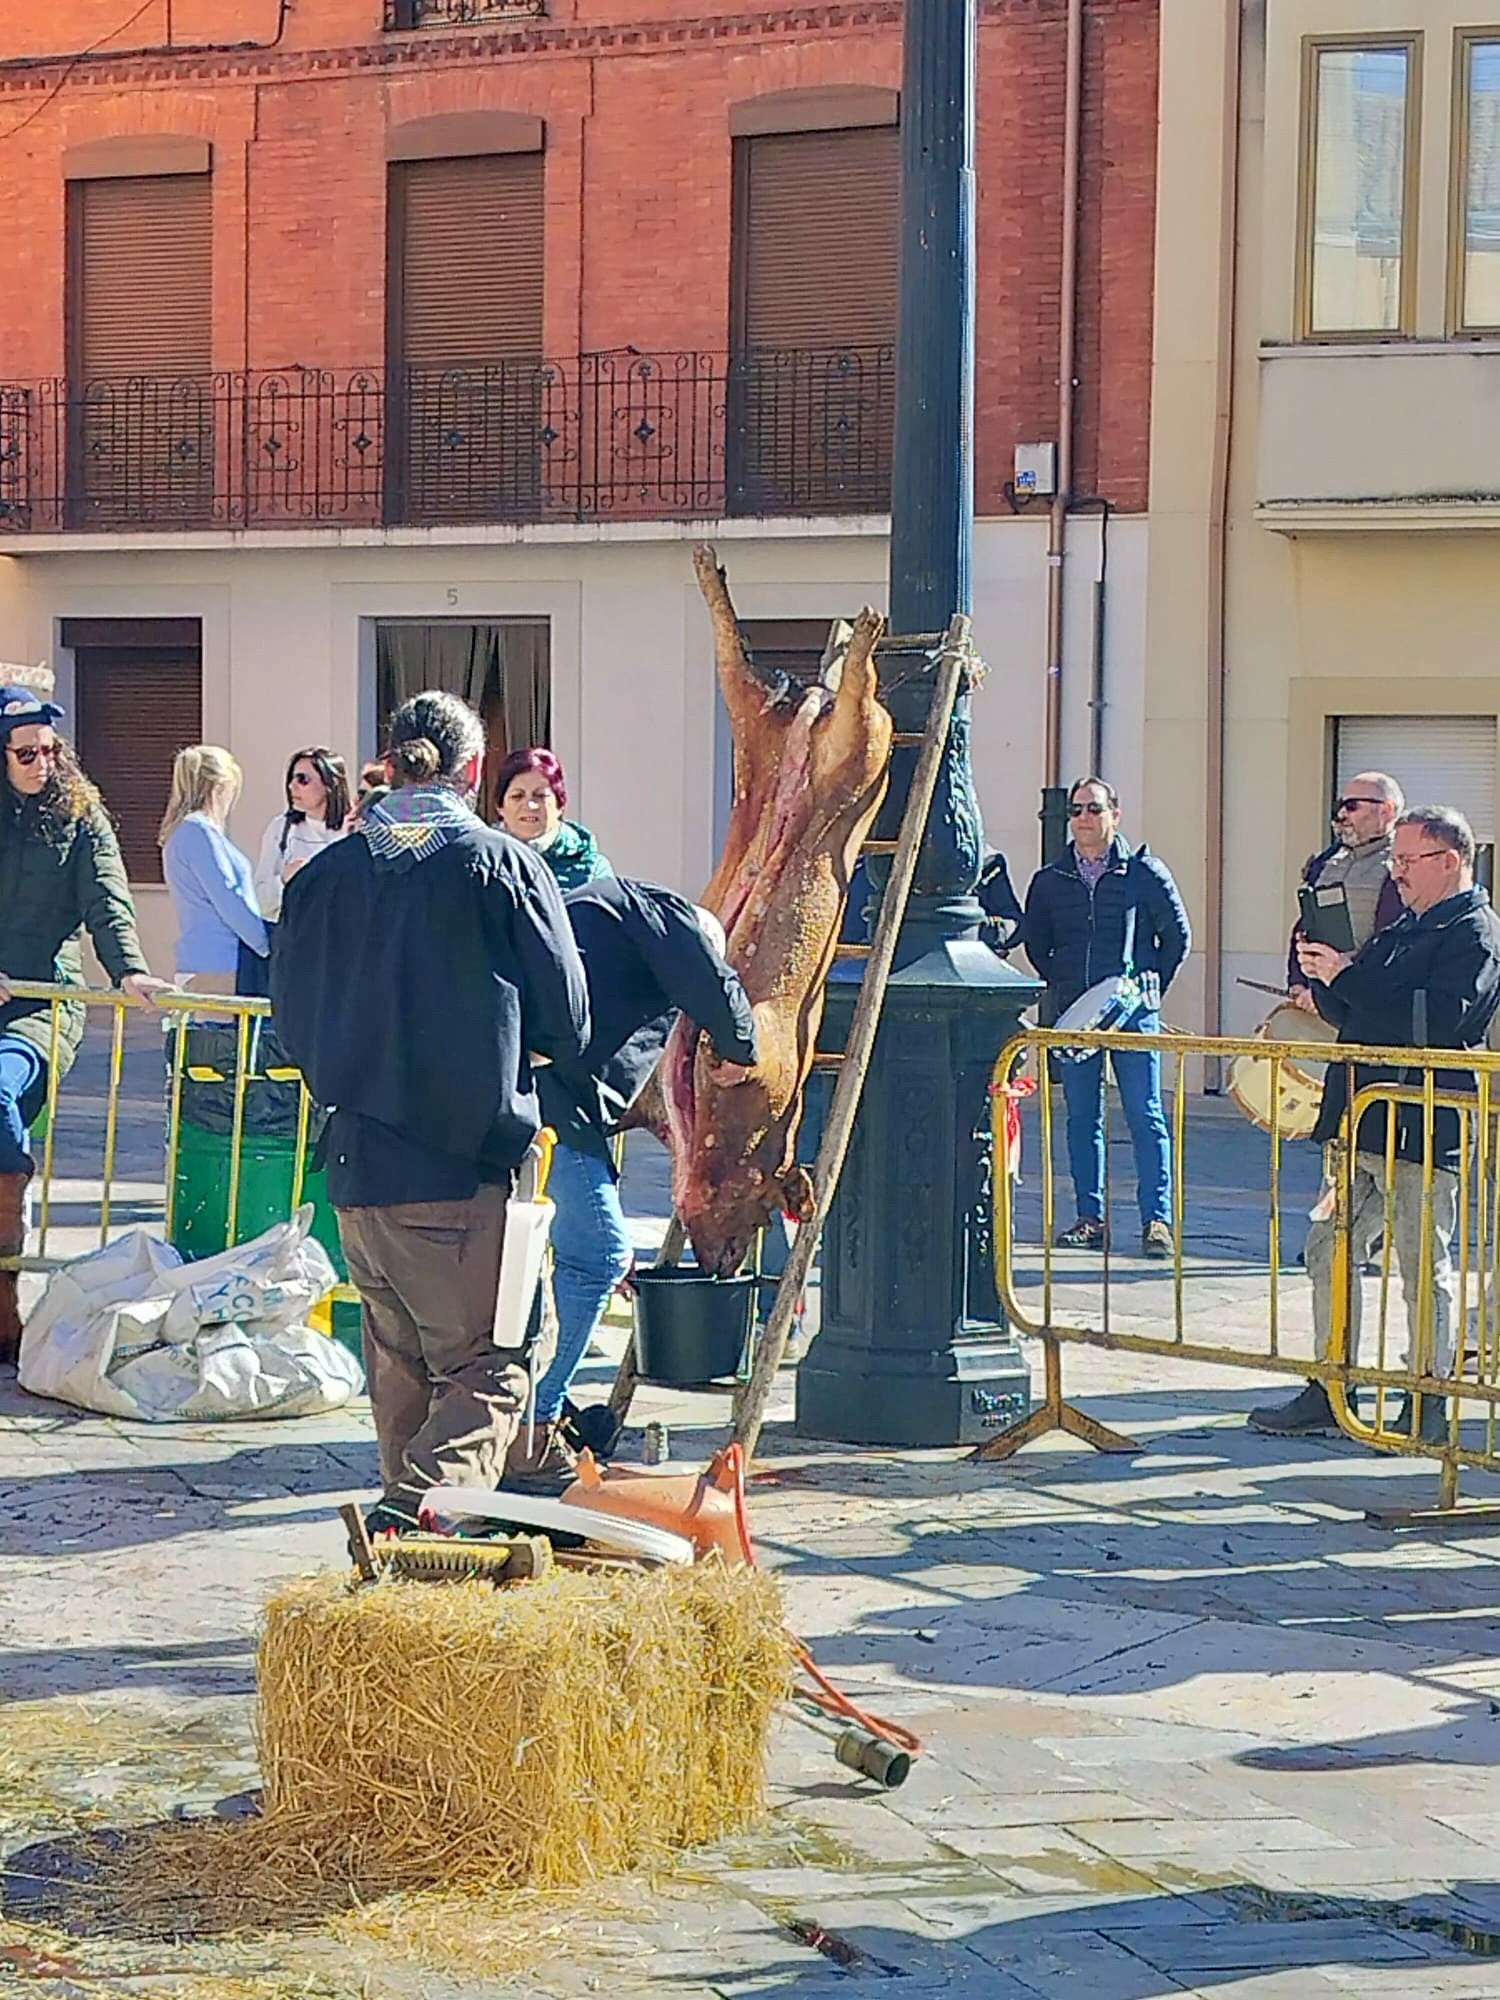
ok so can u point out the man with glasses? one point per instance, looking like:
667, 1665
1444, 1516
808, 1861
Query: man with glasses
1432, 981
1103, 910
1356, 860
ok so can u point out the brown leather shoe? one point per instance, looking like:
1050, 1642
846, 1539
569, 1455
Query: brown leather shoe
547, 1468
12, 1243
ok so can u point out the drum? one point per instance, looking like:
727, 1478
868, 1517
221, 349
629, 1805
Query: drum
1299, 1079
1112, 1003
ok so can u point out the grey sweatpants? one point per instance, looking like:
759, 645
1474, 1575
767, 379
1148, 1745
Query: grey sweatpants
446, 1400
1434, 1343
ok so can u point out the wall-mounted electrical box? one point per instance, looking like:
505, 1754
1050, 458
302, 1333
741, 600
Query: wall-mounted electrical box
1036, 470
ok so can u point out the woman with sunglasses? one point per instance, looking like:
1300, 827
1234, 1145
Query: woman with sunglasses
61, 874
317, 808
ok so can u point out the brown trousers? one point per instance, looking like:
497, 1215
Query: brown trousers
447, 1402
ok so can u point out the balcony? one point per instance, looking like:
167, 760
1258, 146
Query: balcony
606, 437
1404, 434
401, 14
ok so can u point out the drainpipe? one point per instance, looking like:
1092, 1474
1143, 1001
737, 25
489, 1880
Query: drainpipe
1054, 802
1215, 649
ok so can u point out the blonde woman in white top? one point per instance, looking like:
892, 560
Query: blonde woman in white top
317, 805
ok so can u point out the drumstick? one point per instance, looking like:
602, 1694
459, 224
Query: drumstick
1260, 986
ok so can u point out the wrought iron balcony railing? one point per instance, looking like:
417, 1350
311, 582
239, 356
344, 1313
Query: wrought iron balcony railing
618, 436
459, 13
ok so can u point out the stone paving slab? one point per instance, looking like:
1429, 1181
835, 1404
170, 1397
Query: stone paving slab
1168, 1700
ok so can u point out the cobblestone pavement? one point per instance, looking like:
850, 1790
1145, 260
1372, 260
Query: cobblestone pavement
1193, 1726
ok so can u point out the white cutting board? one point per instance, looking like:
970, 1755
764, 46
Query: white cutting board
609, 1531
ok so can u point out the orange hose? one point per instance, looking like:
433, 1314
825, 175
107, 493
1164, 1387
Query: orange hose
832, 1702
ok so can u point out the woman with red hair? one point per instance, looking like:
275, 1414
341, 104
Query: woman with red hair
532, 795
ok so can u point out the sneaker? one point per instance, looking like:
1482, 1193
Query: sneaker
1085, 1234
547, 1468
1156, 1242
1308, 1414
1434, 1424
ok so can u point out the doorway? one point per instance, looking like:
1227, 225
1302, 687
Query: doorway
504, 670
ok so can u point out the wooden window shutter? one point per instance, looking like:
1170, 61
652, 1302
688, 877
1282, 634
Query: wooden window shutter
142, 408
137, 707
143, 276
466, 267
816, 238
813, 315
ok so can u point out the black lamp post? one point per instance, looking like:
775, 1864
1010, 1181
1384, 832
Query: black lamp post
913, 1349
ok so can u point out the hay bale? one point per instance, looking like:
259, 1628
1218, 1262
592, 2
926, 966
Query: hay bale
414, 1734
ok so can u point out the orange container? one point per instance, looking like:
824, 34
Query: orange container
707, 1507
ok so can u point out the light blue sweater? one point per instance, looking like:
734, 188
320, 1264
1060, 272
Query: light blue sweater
213, 893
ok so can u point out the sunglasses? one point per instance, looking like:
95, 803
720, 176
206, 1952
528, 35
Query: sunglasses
1093, 809
34, 750
1348, 805
304, 778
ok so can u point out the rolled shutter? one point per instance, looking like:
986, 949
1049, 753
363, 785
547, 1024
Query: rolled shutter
812, 377
471, 259
467, 298
137, 707
142, 401
817, 233
144, 274
1437, 760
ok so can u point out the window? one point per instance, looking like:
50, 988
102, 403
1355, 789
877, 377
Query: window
1478, 163
139, 700
1444, 760
1360, 154
813, 320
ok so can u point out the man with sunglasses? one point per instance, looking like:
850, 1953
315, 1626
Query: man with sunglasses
1432, 981
1102, 910
1357, 860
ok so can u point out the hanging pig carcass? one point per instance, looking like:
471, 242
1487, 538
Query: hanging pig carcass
809, 776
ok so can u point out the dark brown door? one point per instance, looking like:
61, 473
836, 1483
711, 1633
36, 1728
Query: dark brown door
140, 334
139, 700
466, 336
812, 405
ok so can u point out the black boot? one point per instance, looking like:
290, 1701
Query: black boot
1434, 1420
1308, 1414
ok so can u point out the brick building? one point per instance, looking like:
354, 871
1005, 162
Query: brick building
355, 344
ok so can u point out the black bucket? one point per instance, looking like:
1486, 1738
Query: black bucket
690, 1327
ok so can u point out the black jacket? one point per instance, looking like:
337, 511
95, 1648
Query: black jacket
1075, 936
411, 993
1430, 982
646, 961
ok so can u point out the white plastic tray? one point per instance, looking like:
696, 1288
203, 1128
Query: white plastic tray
609, 1531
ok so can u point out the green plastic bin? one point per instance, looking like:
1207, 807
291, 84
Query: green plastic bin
200, 1213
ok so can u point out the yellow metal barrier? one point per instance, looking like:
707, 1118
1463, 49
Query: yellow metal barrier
177, 1012
1184, 1312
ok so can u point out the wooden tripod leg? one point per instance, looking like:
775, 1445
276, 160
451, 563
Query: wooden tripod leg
1052, 1414
622, 1395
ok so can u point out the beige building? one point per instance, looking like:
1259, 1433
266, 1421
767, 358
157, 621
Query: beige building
1324, 567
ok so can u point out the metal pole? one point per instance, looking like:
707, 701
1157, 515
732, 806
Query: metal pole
912, 1349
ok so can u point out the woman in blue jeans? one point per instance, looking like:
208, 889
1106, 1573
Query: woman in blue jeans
648, 956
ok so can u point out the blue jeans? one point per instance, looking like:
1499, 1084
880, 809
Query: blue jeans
1139, 1078
591, 1253
23, 1091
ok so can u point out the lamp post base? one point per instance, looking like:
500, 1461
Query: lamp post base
914, 1350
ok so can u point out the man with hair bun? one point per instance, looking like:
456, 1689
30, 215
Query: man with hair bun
417, 971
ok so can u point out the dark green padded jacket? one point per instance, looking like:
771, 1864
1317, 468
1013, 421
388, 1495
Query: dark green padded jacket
52, 890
